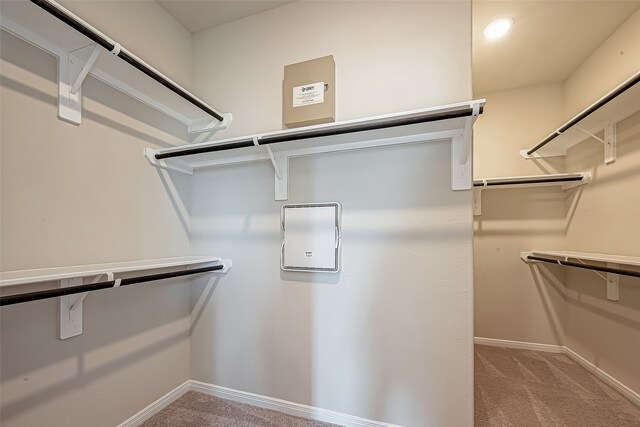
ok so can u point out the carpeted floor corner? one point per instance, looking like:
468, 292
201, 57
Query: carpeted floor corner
200, 410
533, 388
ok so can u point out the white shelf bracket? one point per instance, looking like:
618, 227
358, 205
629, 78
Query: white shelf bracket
70, 311
586, 178
85, 69
71, 74
150, 153
281, 168
461, 174
613, 283
282, 181
210, 125
69, 104
477, 200
227, 263
610, 141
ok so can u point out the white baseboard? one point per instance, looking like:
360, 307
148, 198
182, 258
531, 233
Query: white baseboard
156, 406
602, 375
285, 406
519, 345
606, 378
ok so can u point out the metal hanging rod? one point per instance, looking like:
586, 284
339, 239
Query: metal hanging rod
96, 36
58, 292
585, 266
288, 136
536, 180
601, 102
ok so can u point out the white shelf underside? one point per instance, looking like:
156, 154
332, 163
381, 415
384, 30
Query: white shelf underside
585, 256
23, 277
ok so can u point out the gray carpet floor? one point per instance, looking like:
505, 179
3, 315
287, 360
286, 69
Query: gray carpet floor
530, 388
200, 410
513, 388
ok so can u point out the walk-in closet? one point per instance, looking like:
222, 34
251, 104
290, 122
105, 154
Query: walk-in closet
319, 213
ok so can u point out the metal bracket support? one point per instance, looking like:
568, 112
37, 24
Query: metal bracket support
280, 164
281, 179
69, 313
71, 74
85, 69
613, 283
208, 125
610, 141
150, 154
227, 266
477, 201
461, 146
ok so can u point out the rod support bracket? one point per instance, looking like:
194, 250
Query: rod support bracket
150, 155
613, 283
210, 125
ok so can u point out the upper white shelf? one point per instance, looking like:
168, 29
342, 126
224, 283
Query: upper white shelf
78, 55
449, 122
23, 277
602, 115
585, 256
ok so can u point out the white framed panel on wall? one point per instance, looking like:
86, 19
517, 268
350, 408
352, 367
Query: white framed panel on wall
311, 234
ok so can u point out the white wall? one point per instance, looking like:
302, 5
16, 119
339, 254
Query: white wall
606, 219
510, 302
390, 337
386, 53
85, 194
561, 305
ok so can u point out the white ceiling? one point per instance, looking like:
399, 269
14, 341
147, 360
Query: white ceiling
548, 41
199, 15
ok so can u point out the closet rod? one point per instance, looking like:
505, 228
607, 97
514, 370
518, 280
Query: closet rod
321, 132
610, 96
585, 266
529, 181
58, 292
73, 21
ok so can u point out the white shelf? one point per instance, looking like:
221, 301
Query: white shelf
34, 25
449, 122
589, 123
566, 181
584, 256
24, 277
610, 272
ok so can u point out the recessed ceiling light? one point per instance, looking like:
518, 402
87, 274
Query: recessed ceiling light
498, 28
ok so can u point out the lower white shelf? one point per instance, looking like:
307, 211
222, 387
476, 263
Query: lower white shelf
72, 288
24, 277
610, 271
565, 180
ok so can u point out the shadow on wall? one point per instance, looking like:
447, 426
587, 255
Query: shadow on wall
100, 100
122, 328
589, 291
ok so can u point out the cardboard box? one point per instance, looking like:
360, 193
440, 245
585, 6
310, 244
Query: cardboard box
309, 92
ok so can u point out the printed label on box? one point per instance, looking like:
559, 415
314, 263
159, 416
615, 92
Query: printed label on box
308, 94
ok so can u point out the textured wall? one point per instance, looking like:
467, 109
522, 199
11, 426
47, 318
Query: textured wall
561, 305
389, 338
511, 303
85, 194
